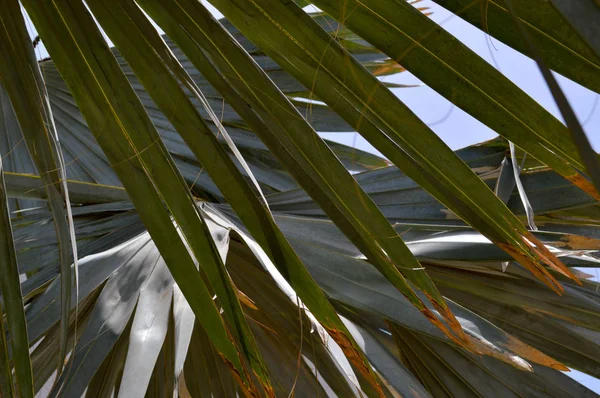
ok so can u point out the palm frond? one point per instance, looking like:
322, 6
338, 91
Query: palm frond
227, 249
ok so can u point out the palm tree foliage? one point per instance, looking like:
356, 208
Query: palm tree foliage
173, 223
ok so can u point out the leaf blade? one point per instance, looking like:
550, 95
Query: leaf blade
13, 301
306, 51
90, 87
559, 43
24, 83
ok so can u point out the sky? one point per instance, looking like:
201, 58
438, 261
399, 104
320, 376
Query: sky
459, 129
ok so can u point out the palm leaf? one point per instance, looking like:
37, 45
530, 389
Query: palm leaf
299, 147
417, 41
560, 44
136, 136
294, 274
412, 147
13, 307
333, 267
21, 76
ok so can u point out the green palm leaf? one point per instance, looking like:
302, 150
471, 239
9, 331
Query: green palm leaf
21, 76
560, 43
227, 249
134, 139
13, 307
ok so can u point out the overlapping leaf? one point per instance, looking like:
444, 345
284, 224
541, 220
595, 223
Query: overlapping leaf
308, 52
359, 290
21, 76
147, 324
130, 141
560, 44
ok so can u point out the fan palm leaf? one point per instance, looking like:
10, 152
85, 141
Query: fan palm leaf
227, 249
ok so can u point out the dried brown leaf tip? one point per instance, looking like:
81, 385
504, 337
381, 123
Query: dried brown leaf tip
549, 258
584, 184
388, 68
578, 242
245, 381
531, 354
351, 352
247, 301
455, 333
456, 327
538, 270
269, 392
247, 388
